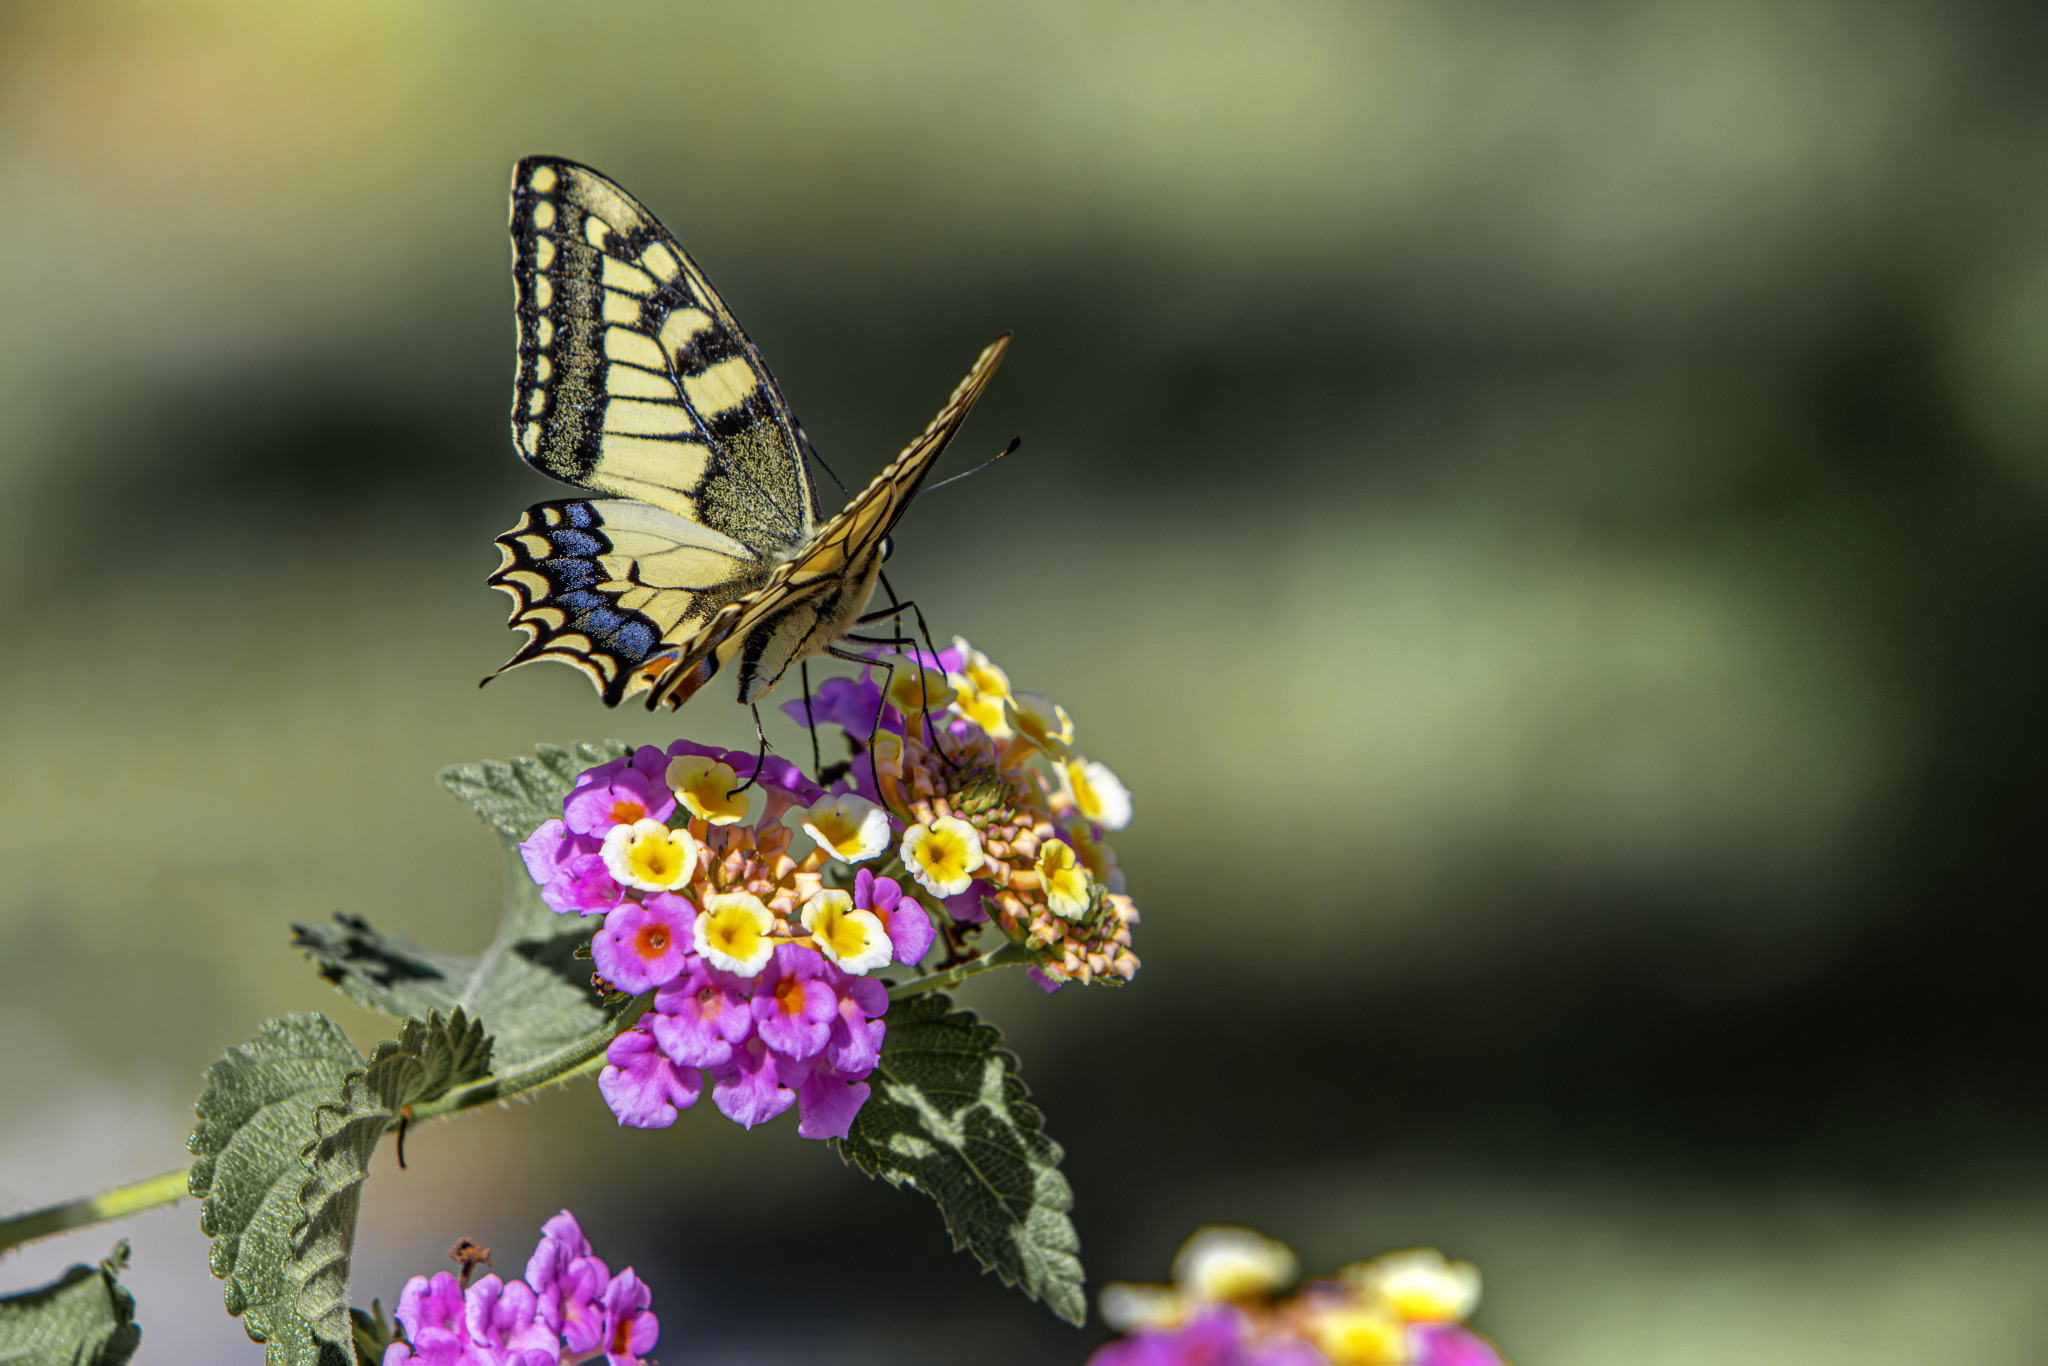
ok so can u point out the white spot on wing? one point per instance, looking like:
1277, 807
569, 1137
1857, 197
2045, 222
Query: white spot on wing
595, 230
543, 215
543, 291
544, 252
544, 332
543, 179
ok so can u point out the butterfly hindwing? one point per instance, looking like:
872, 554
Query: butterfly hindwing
613, 586
634, 378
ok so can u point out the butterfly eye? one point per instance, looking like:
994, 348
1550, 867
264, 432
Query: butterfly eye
888, 548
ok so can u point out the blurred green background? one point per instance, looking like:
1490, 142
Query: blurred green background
1545, 504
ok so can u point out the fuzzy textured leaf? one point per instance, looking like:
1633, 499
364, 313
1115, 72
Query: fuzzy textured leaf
527, 987
519, 795
432, 1057
256, 1119
83, 1318
948, 1115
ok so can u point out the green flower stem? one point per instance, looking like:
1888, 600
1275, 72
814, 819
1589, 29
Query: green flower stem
1009, 954
118, 1203
566, 1063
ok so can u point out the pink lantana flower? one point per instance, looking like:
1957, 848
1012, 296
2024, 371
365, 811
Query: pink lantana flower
643, 943
594, 808
827, 1099
582, 885
793, 1010
855, 1043
748, 1089
504, 1324
569, 1282
910, 928
634, 1329
700, 1016
644, 1088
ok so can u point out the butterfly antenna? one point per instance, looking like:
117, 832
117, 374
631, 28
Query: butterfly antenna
1015, 442
761, 759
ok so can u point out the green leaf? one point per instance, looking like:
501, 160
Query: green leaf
519, 796
527, 987
430, 1060
83, 1318
257, 1117
373, 1332
948, 1115
287, 1127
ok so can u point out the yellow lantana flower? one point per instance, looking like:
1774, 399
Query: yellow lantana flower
1096, 793
943, 856
1064, 879
855, 940
1421, 1285
733, 932
849, 827
649, 855
1223, 1262
915, 690
1041, 721
1361, 1335
981, 691
701, 783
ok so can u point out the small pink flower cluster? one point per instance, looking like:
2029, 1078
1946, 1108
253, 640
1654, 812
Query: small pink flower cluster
569, 1308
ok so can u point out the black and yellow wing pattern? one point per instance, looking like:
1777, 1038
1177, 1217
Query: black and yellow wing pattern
636, 383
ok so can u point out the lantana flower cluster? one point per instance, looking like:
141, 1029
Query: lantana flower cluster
997, 811
758, 969
761, 962
570, 1308
1225, 1308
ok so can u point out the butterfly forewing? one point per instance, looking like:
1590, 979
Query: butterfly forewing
634, 378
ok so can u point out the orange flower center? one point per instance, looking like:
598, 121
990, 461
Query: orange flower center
789, 995
653, 941
625, 811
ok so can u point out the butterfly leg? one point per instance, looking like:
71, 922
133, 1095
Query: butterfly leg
896, 609
874, 766
811, 718
761, 759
